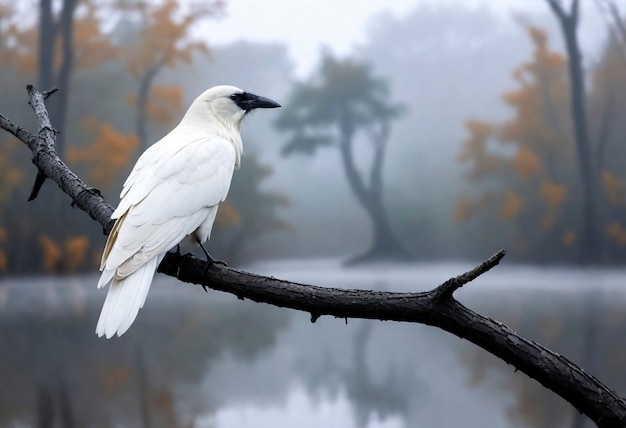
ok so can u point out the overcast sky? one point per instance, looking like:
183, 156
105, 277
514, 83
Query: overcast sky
306, 25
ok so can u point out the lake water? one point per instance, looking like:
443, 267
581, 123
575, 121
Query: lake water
196, 359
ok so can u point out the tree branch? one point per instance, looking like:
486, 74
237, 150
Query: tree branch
557, 8
436, 308
445, 290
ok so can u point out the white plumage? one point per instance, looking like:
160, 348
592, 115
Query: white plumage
172, 192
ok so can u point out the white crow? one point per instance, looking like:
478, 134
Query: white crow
172, 193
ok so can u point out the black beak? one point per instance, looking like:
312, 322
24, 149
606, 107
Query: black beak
250, 101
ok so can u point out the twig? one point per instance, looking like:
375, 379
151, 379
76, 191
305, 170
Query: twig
445, 290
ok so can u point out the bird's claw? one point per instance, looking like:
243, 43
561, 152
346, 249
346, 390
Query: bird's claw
210, 262
184, 258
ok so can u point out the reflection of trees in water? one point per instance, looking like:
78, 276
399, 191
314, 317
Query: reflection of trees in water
54, 405
585, 326
55, 372
387, 397
373, 389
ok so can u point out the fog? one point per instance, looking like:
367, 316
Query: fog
198, 359
481, 157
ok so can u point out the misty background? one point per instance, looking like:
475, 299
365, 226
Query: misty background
480, 155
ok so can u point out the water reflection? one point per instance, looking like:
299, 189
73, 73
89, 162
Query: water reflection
210, 360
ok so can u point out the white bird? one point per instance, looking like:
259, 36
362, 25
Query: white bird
172, 193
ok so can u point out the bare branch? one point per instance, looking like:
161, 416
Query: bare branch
436, 308
445, 290
48, 163
557, 8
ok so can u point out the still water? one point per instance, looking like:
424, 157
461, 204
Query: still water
196, 359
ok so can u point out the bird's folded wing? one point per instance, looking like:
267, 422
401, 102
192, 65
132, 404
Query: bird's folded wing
167, 196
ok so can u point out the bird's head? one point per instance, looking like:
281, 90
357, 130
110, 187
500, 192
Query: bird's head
230, 104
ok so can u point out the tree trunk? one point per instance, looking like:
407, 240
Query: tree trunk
384, 243
48, 76
143, 390
142, 102
46, 45
45, 408
60, 101
65, 404
589, 242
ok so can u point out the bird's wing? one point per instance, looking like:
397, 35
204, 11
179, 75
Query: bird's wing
169, 193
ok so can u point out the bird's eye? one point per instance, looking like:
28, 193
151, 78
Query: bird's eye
233, 97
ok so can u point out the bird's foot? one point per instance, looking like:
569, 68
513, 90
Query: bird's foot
209, 263
183, 259
210, 260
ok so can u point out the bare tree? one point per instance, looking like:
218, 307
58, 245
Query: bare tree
345, 99
568, 21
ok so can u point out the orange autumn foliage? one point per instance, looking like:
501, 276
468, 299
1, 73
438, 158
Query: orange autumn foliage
568, 238
526, 163
164, 102
3, 255
67, 257
475, 152
512, 205
227, 215
553, 194
614, 188
52, 254
164, 35
75, 250
463, 210
114, 379
10, 175
616, 233
91, 45
108, 155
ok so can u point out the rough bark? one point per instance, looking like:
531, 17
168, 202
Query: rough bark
437, 307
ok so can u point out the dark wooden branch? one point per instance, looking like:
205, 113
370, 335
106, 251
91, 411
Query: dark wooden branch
48, 163
436, 308
445, 290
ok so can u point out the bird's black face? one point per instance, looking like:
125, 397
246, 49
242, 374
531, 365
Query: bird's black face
248, 102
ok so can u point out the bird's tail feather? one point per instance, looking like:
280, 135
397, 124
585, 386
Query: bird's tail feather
124, 299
